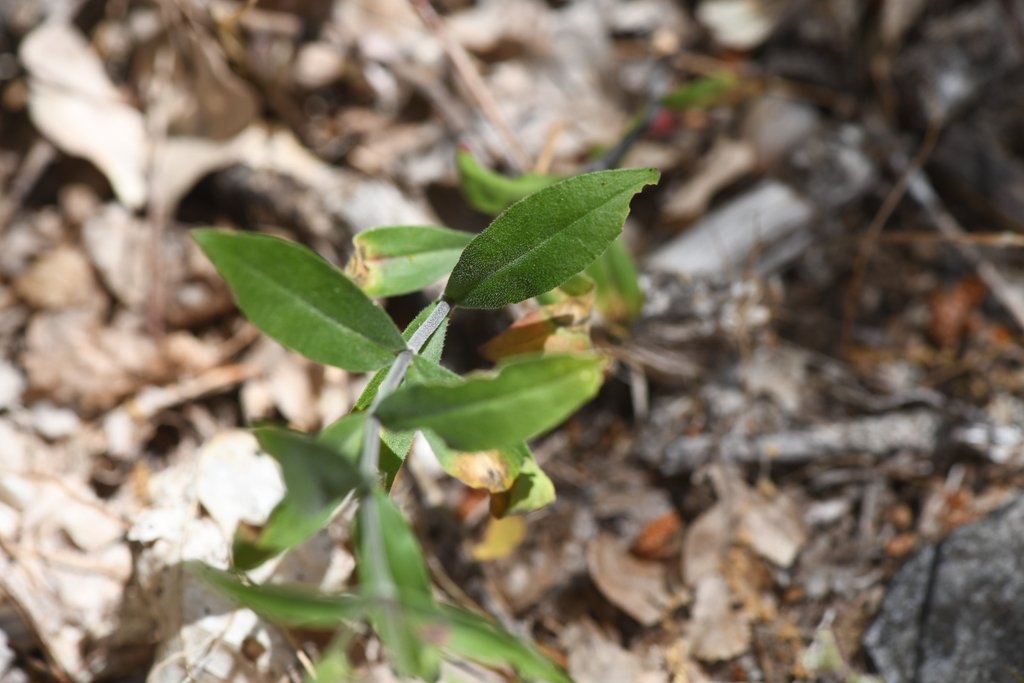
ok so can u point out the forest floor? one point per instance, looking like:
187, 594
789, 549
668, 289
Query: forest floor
825, 382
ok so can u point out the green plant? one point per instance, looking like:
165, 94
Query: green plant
478, 424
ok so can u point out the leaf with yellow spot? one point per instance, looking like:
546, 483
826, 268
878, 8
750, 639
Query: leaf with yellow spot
561, 324
493, 470
537, 332
531, 491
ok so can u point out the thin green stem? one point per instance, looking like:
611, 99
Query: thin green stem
369, 460
429, 326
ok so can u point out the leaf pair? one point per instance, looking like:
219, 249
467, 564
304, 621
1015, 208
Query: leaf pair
309, 306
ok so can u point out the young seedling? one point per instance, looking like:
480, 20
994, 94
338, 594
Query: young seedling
478, 425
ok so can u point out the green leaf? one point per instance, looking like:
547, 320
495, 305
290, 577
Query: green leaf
452, 628
527, 396
291, 605
477, 638
703, 93
317, 478
345, 435
428, 371
618, 287
393, 576
543, 240
494, 470
302, 301
531, 491
492, 192
401, 259
334, 664
578, 286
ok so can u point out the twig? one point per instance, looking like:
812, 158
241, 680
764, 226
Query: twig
35, 161
981, 239
757, 79
850, 304
547, 153
923, 192
1010, 9
371, 528
915, 430
517, 157
157, 211
151, 400
655, 92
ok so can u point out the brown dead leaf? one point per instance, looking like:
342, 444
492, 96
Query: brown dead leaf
717, 631
291, 388
772, 527
901, 545
216, 103
706, 544
951, 309
117, 244
283, 384
63, 564
179, 162
660, 538
681, 665
637, 587
60, 279
751, 582
728, 161
12, 385
594, 657
72, 358
73, 103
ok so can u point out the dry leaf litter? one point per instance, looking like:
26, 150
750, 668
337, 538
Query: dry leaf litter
820, 401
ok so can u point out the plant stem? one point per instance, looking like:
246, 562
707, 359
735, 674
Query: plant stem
370, 458
429, 326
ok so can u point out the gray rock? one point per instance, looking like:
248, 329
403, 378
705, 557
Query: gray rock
724, 240
955, 611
